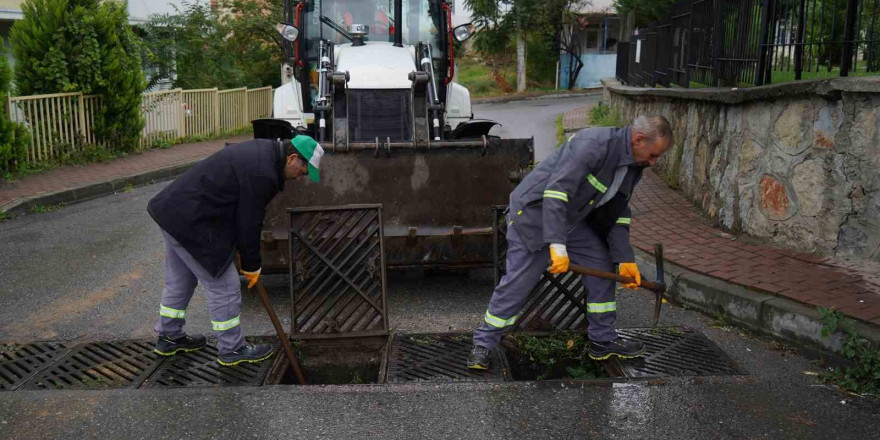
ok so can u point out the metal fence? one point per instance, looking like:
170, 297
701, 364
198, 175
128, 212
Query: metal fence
735, 43
65, 122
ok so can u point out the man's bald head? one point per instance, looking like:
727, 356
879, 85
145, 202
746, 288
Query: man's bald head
651, 136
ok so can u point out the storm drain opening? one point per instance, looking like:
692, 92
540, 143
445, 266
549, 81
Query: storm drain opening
553, 356
99, 365
201, 369
18, 363
676, 351
335, 361
439, 358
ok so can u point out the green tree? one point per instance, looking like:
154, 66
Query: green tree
232, 45
13, 136
519, 15
83, 46
645, 11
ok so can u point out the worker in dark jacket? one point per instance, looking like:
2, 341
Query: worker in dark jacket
575, 206
207, 215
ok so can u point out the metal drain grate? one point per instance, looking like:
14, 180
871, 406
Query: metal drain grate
439, 358
557, 302
337, 272
99, 365
18, 363
200, 369
675, 351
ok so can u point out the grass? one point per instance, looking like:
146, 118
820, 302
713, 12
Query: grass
601, 115
560, 130
863, 375
784, 76
95, 153
4, 216
482, 82
128, 188
43, 209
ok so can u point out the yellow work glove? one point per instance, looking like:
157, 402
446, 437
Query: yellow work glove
252, 277
632, 271
559, 258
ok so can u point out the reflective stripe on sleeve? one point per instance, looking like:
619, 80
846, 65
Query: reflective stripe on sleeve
168, 312
220, 326
556, 195
497, 322
624, 221
597, 184
602, 307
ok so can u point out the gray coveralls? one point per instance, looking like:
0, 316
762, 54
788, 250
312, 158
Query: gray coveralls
182, 274
567, 200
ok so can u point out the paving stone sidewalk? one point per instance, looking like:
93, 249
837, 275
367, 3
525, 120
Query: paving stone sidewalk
661, 215
70, 177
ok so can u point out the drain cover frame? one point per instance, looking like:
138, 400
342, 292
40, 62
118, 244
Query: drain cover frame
676, 352
200, 369
337, 272
426, 358
99, 365
21, 362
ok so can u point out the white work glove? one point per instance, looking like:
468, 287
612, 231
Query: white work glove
559, 258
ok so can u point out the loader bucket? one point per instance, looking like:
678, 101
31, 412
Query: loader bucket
437, 201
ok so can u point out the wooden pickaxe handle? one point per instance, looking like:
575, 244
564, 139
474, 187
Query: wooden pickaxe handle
288, 350
652, 286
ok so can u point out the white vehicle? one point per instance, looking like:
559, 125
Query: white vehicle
372, 81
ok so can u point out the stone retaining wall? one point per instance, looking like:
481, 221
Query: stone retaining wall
796, 163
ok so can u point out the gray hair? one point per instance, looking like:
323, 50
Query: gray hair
653, 127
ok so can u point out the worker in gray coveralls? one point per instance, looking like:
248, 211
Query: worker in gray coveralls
575, 205
207, 215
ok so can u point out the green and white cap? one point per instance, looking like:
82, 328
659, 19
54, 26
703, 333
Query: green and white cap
311, 152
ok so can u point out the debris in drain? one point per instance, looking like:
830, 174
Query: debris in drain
347, 361
561, 355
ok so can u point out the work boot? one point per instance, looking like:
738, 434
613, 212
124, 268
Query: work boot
169, 347
248, 352
619, 347
479, 358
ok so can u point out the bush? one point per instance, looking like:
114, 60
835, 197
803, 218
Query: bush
83, 46
14, 137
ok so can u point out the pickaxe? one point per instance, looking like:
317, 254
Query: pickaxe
658, 287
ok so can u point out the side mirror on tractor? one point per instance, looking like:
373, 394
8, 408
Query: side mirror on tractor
287, 31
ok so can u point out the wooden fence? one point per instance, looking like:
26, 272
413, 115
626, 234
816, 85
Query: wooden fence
65, 122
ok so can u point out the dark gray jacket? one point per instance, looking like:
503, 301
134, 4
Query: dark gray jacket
564, 188
218, 206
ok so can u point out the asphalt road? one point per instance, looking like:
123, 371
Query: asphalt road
93, 271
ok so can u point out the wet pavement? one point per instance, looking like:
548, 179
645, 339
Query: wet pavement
93, 271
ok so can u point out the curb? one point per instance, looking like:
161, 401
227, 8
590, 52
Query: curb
756, 310
93, 190
512, 98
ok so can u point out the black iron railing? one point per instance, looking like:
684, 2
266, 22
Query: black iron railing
735, 43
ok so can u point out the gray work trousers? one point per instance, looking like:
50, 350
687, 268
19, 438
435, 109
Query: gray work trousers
182, 273
524, 269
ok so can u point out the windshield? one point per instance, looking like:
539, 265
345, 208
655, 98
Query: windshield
331, 19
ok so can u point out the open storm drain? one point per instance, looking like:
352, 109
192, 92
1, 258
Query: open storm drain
439, 358
18, 363
99, 365
676, 351
200, 368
